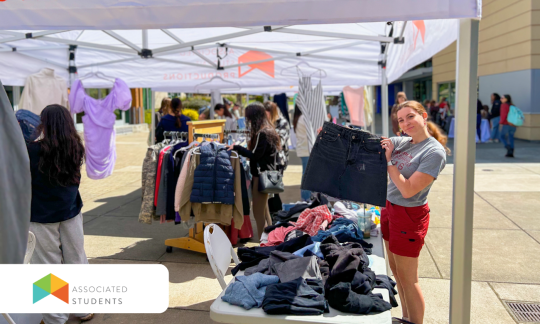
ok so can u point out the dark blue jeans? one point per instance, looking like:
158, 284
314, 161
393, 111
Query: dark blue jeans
347, 164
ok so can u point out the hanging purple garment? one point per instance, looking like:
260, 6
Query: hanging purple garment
98, 121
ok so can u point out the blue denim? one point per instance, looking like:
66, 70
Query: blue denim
315, 249
508, 131
495, 128
347, 164
248, 291
305, 194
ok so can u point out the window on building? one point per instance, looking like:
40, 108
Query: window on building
447, 90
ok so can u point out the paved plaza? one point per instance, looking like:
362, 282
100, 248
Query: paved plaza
506, 251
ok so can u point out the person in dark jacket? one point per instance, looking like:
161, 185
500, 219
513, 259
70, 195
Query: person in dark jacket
56, 219
174, 121
495, 117
479, 108
507, 130
263, 146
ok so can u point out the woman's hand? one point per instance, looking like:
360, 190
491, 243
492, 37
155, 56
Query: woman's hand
388, 146
229, 147
319, 130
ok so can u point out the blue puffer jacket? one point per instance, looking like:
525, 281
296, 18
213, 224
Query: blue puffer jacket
214, 176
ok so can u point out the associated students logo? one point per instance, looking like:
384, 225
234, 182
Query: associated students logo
51, 285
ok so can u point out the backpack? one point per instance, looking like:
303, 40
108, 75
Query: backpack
515, 116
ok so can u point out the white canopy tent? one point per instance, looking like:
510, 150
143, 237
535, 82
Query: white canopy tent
246, 59
351, 51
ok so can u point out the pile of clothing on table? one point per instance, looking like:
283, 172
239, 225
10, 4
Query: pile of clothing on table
308, 261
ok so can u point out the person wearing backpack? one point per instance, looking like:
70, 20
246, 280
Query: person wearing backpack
508, 130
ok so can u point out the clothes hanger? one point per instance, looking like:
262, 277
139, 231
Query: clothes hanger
300, 73
217, 77
99, 75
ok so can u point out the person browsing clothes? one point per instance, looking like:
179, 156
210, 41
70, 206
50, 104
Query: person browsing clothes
264, 143
414, 163
56, 220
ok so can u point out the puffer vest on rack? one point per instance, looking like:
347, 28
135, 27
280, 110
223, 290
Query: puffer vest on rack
214, 176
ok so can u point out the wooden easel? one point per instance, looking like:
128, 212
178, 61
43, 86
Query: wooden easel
195, 240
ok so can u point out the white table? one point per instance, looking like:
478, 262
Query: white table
485, 131
224, 312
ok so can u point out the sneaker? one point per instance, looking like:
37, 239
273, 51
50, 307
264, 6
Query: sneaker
87, 317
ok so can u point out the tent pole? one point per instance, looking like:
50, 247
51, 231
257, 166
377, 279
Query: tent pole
72, 73
464, 159
384, 101
373, 108
145, 38
153, 128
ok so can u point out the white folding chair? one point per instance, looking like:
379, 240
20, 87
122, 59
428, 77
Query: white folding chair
219, 251
30, 246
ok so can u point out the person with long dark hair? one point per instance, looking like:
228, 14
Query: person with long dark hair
56, 158
414, 163
264, 143
223, 112
174, 121
508, 130
495, 117
302, 147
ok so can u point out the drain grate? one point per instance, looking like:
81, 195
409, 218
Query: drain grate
524, 312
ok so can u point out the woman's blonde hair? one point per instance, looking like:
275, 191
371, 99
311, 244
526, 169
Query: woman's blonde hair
433, 129
400, 94
272, 108
165, 106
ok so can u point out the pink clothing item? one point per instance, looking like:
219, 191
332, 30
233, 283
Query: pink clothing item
181, 182
310, 220
277, 236
158, 177
354, 98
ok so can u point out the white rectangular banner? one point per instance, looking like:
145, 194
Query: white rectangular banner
90, 288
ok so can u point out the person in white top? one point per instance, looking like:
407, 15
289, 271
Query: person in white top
224, 113
302, 150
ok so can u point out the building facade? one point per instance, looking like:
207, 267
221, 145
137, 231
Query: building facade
508, 60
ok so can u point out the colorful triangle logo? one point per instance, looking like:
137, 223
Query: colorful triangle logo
51, 285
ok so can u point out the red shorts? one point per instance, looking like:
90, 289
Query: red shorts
405, 228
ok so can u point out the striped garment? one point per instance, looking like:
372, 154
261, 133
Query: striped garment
311, 103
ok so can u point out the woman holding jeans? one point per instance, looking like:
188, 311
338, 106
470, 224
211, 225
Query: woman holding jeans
508, 130
56, 219
302, 149
414, 163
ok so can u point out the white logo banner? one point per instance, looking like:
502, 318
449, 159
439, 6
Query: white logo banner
89, 288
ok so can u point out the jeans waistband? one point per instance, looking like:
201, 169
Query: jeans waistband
348, 133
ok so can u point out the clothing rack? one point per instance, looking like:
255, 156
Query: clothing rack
179, 135
239, 131
198, 130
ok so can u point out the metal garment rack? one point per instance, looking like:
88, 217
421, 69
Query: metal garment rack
198, 130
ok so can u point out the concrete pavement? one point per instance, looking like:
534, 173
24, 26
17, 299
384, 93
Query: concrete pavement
505, 253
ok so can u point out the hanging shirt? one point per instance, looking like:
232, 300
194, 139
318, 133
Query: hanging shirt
43, 89
368, 109
355, 103
311, 103
98, 120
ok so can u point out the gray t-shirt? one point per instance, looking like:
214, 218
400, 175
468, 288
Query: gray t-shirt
428, 157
